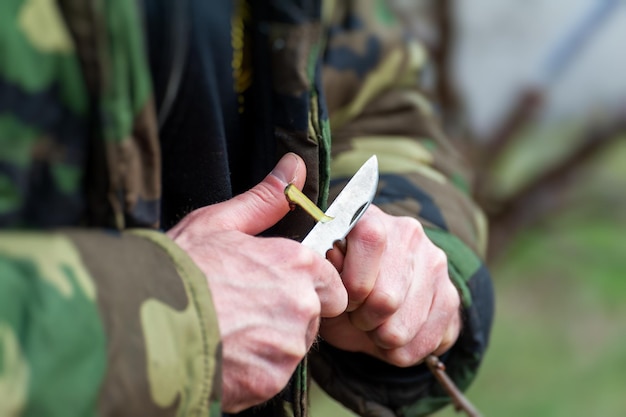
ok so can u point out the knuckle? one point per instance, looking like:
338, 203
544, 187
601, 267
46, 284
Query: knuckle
372, 235
430, 345
401, 358
452, 298
393, 337
438, 264
358, 290
303, 257
386, 302
307, 307
411, 354
412, 225
440, 256
261, 192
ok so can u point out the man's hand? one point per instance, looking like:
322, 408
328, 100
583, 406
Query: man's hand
269, 293
402, 304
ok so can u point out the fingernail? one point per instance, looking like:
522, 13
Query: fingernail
287, 168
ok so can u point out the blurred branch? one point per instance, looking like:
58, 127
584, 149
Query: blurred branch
485, 154
443, 51
558, 60
538, 197
524, 111
535, 199
461, 403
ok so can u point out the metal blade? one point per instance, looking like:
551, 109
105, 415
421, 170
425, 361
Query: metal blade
346, 210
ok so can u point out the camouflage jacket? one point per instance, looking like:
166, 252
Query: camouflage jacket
100, 313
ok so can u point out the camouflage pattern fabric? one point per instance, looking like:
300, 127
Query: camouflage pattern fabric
77, 340
91, 322
75, 106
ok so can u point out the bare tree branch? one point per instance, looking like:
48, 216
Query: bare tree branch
538, 197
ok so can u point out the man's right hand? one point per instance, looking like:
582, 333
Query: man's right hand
269, 293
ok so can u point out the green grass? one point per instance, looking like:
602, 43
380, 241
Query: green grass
559, 340
558, 344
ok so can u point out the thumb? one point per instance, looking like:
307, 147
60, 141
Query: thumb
264, 205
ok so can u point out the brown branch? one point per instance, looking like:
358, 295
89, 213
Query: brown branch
442, 54
461, 403
537, 197
446, 90
520, 115
484, 154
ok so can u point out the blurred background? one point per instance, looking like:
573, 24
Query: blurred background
535, 93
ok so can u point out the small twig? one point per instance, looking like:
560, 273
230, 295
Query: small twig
461, 403
296, 197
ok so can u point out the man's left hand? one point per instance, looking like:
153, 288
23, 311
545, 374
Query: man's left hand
402, 304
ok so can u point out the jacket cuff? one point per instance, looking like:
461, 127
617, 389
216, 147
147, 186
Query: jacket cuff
163, 343
105, 323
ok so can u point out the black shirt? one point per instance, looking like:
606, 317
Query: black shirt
205, 129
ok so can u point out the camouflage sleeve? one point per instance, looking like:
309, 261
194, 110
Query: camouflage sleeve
376, 106
78, 337
91, 322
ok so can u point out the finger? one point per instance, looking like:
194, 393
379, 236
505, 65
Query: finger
336, 256
407, 290
265, 204
341, 334
330, 290
386, 300
366, 244
403, 343
435, 337
380, 307
451, 335
402, 324
451, 302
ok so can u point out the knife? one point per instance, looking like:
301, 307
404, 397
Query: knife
346, 210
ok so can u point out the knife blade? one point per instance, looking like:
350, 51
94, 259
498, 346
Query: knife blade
346, 210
